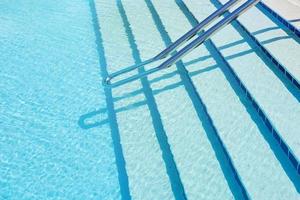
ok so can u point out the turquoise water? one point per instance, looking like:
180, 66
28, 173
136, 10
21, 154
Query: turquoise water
49, 78
187, 132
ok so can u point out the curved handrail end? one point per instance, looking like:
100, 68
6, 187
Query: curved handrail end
107, 82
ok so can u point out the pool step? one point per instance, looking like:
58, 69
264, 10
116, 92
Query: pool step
274, 38
234, 121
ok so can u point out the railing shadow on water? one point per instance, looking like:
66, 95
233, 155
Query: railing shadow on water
90, 119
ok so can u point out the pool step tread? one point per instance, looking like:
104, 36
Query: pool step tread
232, 110
275, 39
195, 158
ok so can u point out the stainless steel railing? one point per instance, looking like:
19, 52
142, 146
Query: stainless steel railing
183, 39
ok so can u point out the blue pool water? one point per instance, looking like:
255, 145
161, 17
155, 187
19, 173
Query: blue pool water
50, 76
187, 132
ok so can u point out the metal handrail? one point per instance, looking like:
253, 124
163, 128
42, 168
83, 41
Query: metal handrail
179, 42
192, 45
206, 22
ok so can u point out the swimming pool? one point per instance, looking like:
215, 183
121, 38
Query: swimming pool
203, 129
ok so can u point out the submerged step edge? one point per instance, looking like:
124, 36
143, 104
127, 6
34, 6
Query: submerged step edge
285, 22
